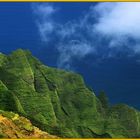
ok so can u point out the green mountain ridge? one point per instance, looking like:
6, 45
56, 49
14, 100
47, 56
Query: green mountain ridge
59, 102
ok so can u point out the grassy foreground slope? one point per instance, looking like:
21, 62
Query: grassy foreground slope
59, 102
14, 126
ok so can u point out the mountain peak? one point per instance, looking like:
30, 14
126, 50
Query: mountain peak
21, 51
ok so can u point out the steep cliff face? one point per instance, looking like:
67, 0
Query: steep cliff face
58, 101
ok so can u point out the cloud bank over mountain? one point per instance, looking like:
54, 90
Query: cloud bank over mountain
105, 30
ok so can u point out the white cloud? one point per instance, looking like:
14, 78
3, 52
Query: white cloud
43, 10
74, 48
44, 20
71, 42
114, 23
118, 19
45, 29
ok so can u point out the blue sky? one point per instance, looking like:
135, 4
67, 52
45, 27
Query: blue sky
101, 41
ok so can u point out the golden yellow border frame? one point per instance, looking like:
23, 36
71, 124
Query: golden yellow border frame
74, 1
77, 139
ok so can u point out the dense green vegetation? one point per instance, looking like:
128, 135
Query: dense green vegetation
59, 102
